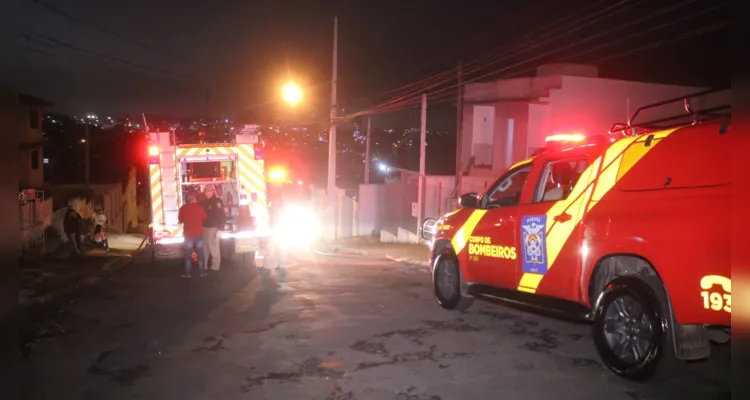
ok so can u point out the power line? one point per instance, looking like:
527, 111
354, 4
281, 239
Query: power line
108, 57
528, 44
530, 38
106, 31
405, 100
445, 98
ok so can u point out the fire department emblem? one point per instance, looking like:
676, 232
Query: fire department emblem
534, 243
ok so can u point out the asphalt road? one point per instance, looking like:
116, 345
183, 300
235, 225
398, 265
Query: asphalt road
333, 329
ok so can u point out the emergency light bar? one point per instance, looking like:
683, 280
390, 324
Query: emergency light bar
566, 137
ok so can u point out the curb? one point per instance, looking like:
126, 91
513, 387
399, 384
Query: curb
352, 253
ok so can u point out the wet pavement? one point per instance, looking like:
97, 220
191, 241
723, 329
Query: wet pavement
325, 329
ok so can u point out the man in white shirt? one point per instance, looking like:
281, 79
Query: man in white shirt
100, 236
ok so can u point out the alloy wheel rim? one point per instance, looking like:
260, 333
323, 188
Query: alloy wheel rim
628, 329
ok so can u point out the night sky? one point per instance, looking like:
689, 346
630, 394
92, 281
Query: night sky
228, 57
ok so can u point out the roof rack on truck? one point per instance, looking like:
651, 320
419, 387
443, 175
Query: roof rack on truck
721, 108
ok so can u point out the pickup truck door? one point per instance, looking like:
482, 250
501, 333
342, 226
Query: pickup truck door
492, 252
548, 233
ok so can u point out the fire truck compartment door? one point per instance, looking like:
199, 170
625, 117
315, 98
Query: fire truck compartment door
690, 159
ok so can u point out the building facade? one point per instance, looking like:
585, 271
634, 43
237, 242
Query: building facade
505, 121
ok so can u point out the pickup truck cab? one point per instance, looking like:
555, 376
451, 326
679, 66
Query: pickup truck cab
627, 231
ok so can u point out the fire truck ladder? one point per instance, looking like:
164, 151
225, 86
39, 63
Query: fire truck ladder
170, 196
690, 117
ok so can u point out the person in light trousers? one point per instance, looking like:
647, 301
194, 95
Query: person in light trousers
212, 225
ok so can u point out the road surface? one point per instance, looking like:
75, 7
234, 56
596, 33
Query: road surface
332, 329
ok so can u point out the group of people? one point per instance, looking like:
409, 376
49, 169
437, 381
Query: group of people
73, 228
201, 226
201, 223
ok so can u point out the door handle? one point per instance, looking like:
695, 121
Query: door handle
564, 217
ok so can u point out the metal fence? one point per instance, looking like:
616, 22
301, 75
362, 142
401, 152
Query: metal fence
35, 214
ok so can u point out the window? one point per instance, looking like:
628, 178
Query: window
35, 159
34, 118
507, 190
558, 179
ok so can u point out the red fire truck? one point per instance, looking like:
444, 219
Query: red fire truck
237, 172
626, 230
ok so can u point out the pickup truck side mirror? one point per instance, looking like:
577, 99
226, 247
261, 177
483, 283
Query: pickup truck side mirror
469, 200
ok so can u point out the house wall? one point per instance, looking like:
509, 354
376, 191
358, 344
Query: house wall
527, 110
31, 154
118, 201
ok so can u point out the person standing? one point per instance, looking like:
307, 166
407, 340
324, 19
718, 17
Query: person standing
192, 215
276, 250
72, 225
212, 225
100, 232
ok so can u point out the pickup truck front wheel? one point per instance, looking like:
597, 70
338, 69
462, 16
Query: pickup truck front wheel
447, 284
629, 329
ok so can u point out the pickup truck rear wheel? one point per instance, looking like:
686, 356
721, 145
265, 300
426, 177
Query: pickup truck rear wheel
629, 329
447, 285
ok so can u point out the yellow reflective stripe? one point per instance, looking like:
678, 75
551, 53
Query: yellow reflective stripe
522, 162
192, 151
462, 236
251, 174
586, 195
529, 282
634, 153
157, 212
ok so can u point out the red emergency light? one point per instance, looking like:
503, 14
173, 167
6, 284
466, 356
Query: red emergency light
566, 138
153, 154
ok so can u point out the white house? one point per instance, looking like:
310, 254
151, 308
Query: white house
505, 121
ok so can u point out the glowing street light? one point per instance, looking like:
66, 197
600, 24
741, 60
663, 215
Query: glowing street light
292, 93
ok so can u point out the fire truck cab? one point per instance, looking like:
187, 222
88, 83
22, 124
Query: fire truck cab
236, 172
625, 230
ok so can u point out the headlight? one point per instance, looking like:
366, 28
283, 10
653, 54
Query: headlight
298, 226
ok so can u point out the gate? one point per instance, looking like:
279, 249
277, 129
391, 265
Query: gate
32, 215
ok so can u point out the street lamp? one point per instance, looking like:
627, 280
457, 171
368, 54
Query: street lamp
292, 93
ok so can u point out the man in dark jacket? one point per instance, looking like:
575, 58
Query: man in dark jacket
212, 225
72, 225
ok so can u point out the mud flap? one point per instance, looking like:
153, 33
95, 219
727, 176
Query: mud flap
690, 342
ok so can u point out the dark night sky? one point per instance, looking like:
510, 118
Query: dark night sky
241, 51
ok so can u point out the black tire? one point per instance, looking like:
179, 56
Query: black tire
446, 283
630, 330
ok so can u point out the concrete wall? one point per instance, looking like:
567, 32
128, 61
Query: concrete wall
371, 208
119, 204
438, 190
30, 147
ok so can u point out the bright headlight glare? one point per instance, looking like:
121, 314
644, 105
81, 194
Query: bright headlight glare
298, 225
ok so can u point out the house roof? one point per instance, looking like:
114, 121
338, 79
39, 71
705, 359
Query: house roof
31, 101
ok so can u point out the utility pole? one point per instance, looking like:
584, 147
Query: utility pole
331, 188
87, 138
422, 148
459, 123
332, 132
367, 150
